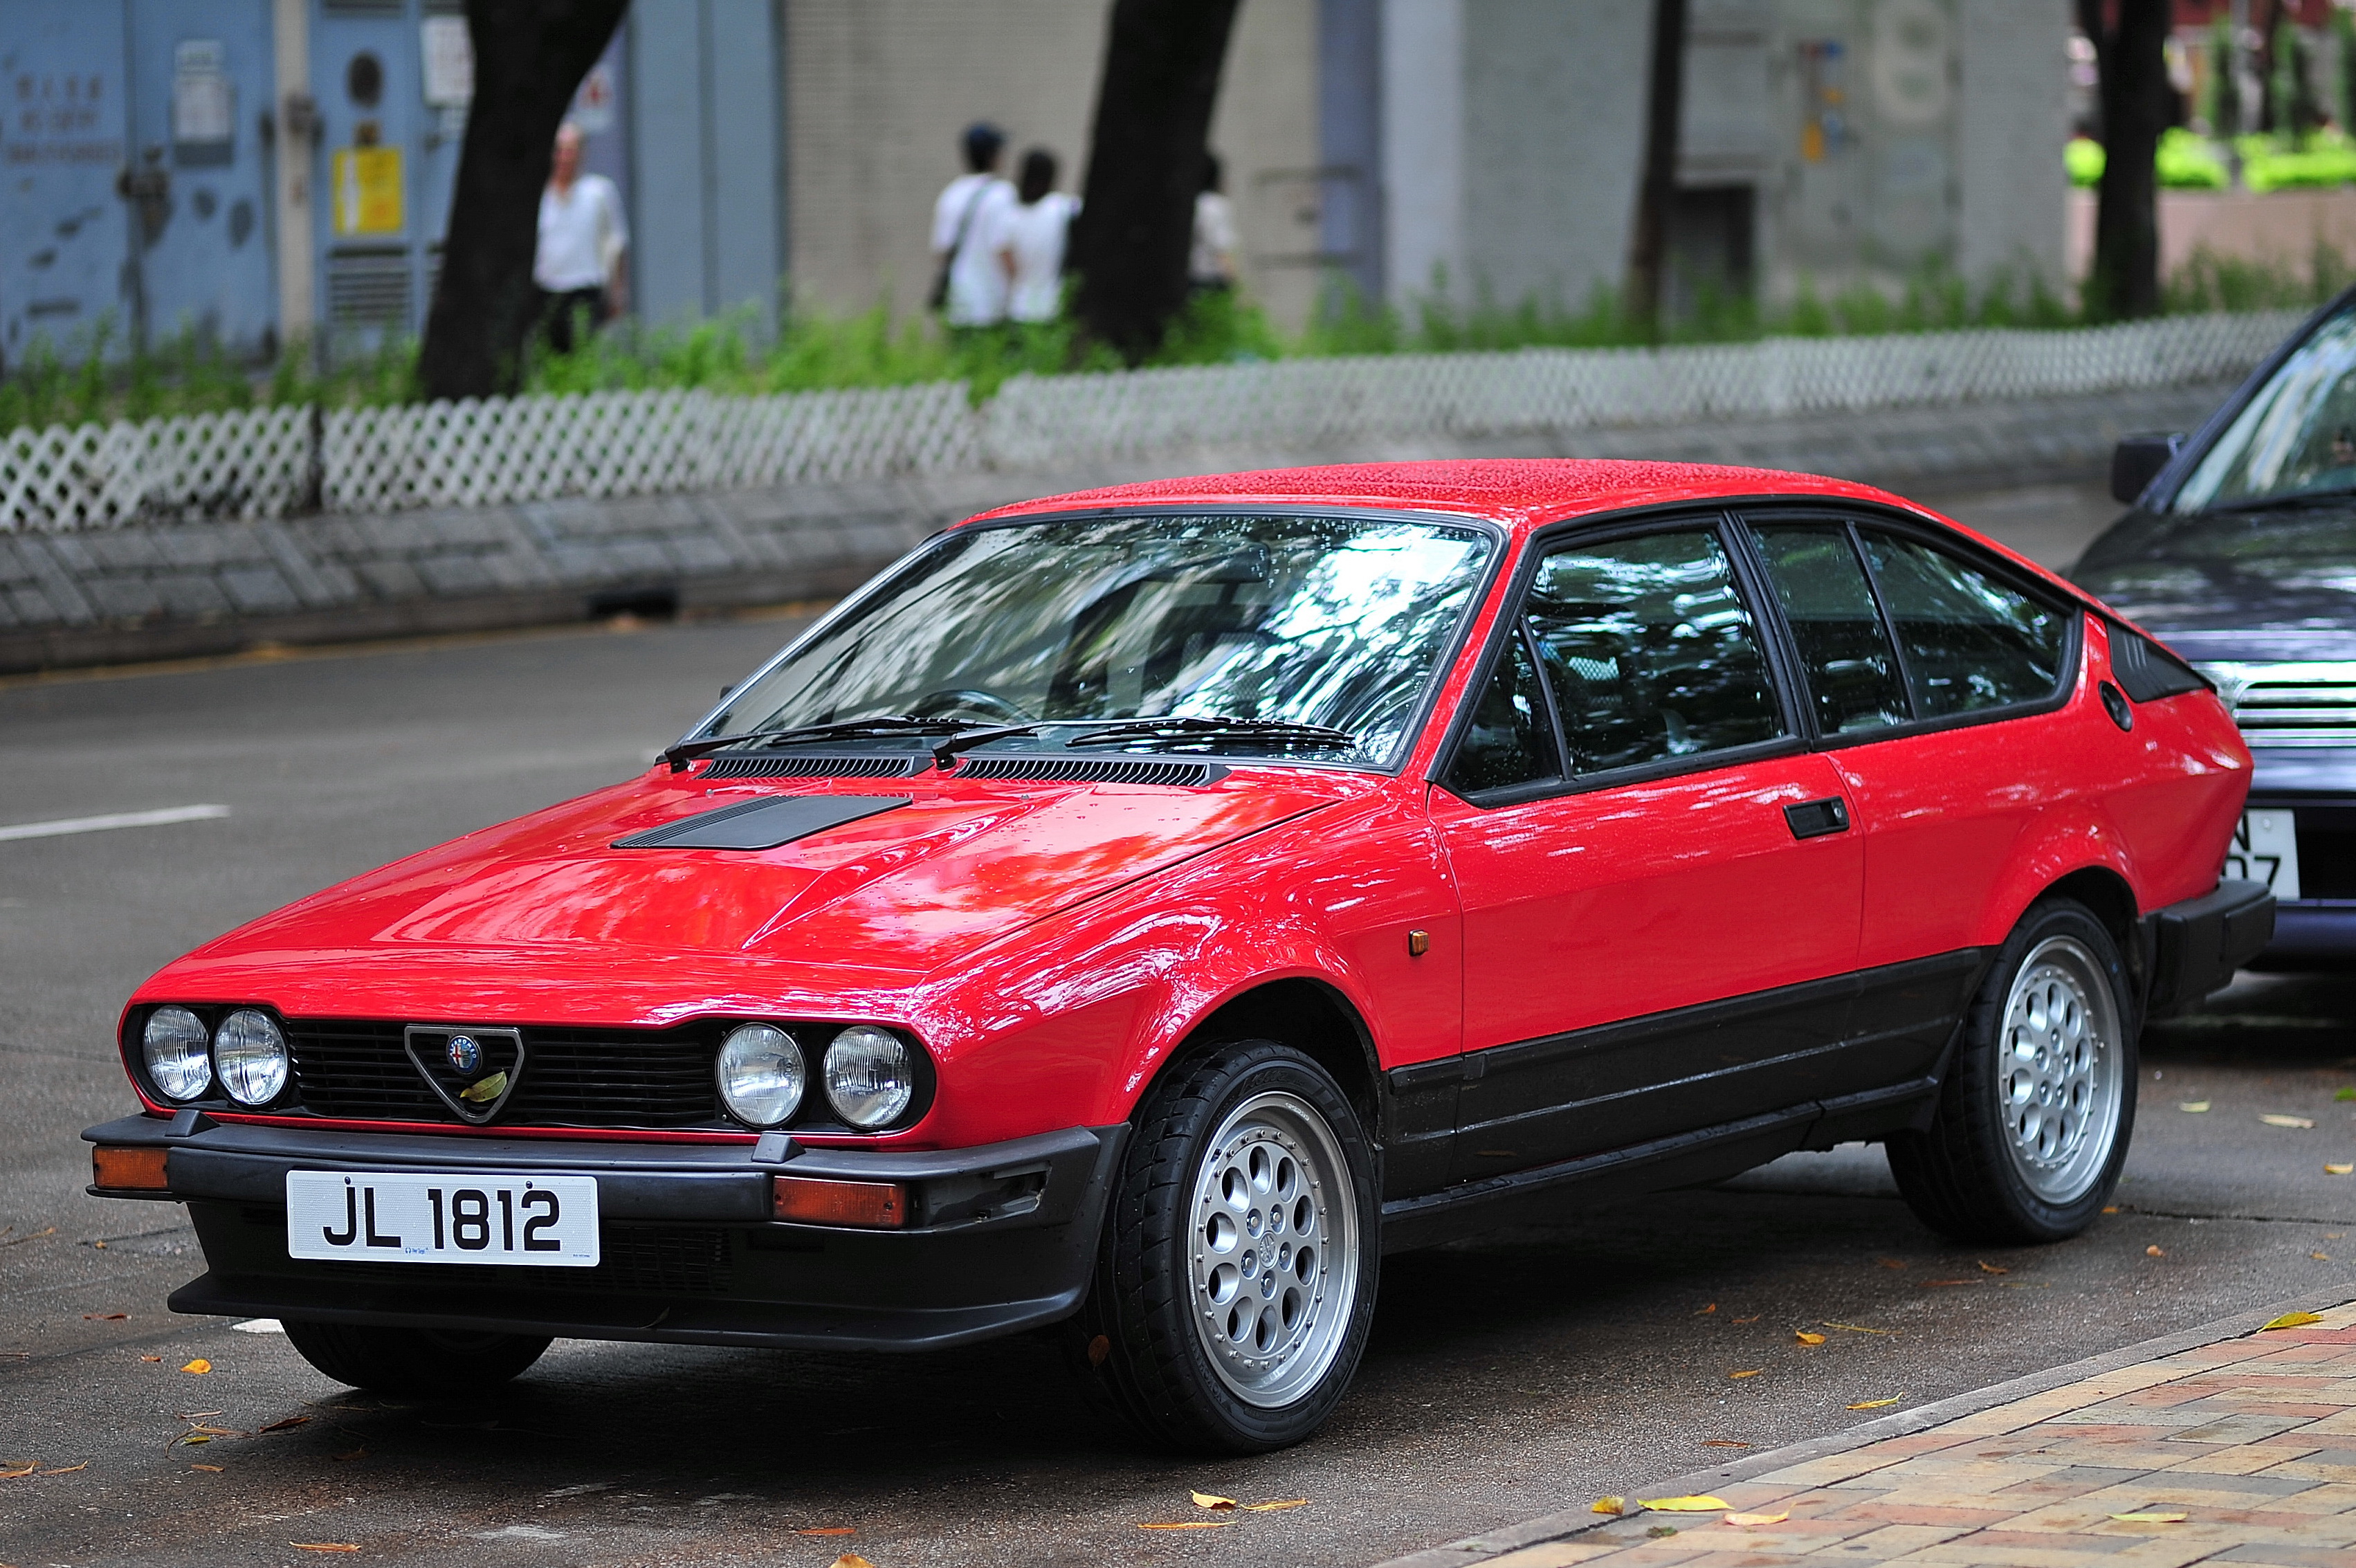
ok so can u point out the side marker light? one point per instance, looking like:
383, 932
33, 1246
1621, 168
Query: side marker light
812, 1200
128, 1169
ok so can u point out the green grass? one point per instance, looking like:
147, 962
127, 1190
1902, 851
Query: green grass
874, 349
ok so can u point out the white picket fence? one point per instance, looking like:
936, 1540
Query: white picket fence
273, 462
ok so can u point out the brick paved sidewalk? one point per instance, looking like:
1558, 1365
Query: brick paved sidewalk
2252, 1437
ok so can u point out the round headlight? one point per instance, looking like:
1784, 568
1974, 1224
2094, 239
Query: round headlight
250, 1054
174, 1044
869, 1077
761, 1075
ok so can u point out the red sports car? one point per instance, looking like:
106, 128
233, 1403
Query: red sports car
1139, 911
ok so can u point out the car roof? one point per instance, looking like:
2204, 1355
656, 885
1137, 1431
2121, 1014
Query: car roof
1518, 492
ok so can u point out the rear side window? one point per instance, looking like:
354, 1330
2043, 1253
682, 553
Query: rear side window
1968, 641
1650, 651
1853, 676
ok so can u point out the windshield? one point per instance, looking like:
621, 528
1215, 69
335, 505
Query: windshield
1331, 621
2297, 437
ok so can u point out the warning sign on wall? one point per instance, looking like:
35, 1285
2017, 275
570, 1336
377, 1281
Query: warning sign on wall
366, 186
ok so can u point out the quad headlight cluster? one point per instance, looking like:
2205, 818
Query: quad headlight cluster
247, 1055
869, 1075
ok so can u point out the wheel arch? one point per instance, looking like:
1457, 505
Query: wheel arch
1309, 1014
2111, 899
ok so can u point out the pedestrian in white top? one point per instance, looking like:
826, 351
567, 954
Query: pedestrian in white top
1211, 259
971, 288
583, 261
1030, 240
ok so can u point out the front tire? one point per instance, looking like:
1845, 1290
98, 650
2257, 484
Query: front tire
1235, 1284
414, 1363
2034, 1118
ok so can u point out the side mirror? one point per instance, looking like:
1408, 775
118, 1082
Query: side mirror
2137, 462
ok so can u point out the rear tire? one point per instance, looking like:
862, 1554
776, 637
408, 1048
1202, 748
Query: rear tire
1235, 1284
2034, 1118
416, 1363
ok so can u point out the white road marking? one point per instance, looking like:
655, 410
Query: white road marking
113, 819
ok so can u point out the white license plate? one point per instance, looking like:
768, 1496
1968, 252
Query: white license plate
547, 1221
2265, 849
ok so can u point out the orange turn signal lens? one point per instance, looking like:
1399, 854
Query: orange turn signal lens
808, 1201
128, 1169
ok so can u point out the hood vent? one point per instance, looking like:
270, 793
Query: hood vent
1093, 771
762, 824
868, 767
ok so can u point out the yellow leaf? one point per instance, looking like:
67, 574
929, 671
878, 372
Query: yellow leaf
829, 1530
2194, 1106
2339, 1170
208, 1469
1706, 1311
151, 1357
1750, 1518
2294, 1320
1279, 1506
2154, 1250
1747, 1372
489, 1089
197, 1437
1805, 1337
2320, 1257
1188, 1524
199, 1367
1876, 1404
1722, 1442
1753, 1318
1608, 1505
1703, 1503
2272, 1118
19, 1468
1211, 1500
1988, 1268
2153, 1516
850, 1559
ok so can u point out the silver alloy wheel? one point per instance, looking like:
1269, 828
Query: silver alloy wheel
2057, 1080
1272, 1249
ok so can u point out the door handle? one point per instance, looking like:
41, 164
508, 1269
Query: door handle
1813, 819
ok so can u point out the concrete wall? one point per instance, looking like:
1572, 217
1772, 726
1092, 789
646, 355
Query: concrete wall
2013, 118
877, 92
2281, 227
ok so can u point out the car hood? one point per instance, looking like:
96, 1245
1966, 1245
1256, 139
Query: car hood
546, 908
2256, 585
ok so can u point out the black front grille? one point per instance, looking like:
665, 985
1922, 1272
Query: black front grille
696, 1262
571, 1077
2326, 852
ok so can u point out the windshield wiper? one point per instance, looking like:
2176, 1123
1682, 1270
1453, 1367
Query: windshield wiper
687, 751
1270, 732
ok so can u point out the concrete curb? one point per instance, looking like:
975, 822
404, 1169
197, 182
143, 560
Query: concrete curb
1474, 1549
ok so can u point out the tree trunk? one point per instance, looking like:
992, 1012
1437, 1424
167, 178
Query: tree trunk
1146, 161
1648, 244
2132, 64
529, 56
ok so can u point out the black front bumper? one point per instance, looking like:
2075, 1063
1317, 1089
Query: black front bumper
1001, 1238
2195, 946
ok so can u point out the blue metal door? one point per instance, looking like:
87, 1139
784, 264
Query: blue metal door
62, 227
201, 73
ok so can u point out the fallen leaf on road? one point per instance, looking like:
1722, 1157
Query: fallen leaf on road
1661, 1531
1608, 1505
1805, 1337
1747, 1372
34, 1236
2154, 1251
208, 1469
2320, 1257
1860, 1328
850, 1559
829, 1530
1277, 1507
17, 1469
67, 1469
2293, 1320
2113, 1209
1211, 1500
2194, 1106
1876, 1404
1099, 1348
2339, 1170
1753, 1318
2345, 1091
1988, 1268
195, 1437
1706, 1311
1891, 1263
104, 1316
1697, 1503
323, 1545
281, 1424
151, 1357
201, 1366
1188, 1524
1722, 1442
355, 1454
2153, 1516
2275, 1119
1751, 1518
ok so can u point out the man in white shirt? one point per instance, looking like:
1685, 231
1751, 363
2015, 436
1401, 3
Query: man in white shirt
1029, 240
582, 262
971, 288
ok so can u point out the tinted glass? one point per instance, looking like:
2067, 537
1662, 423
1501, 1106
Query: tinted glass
1650, 651
1969, 641
1853, 678
1510, 739
1338, 621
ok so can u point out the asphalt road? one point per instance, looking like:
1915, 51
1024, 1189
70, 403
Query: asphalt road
1509, 1375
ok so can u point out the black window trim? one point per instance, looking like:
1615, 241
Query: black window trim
1860, 515
1712, 516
